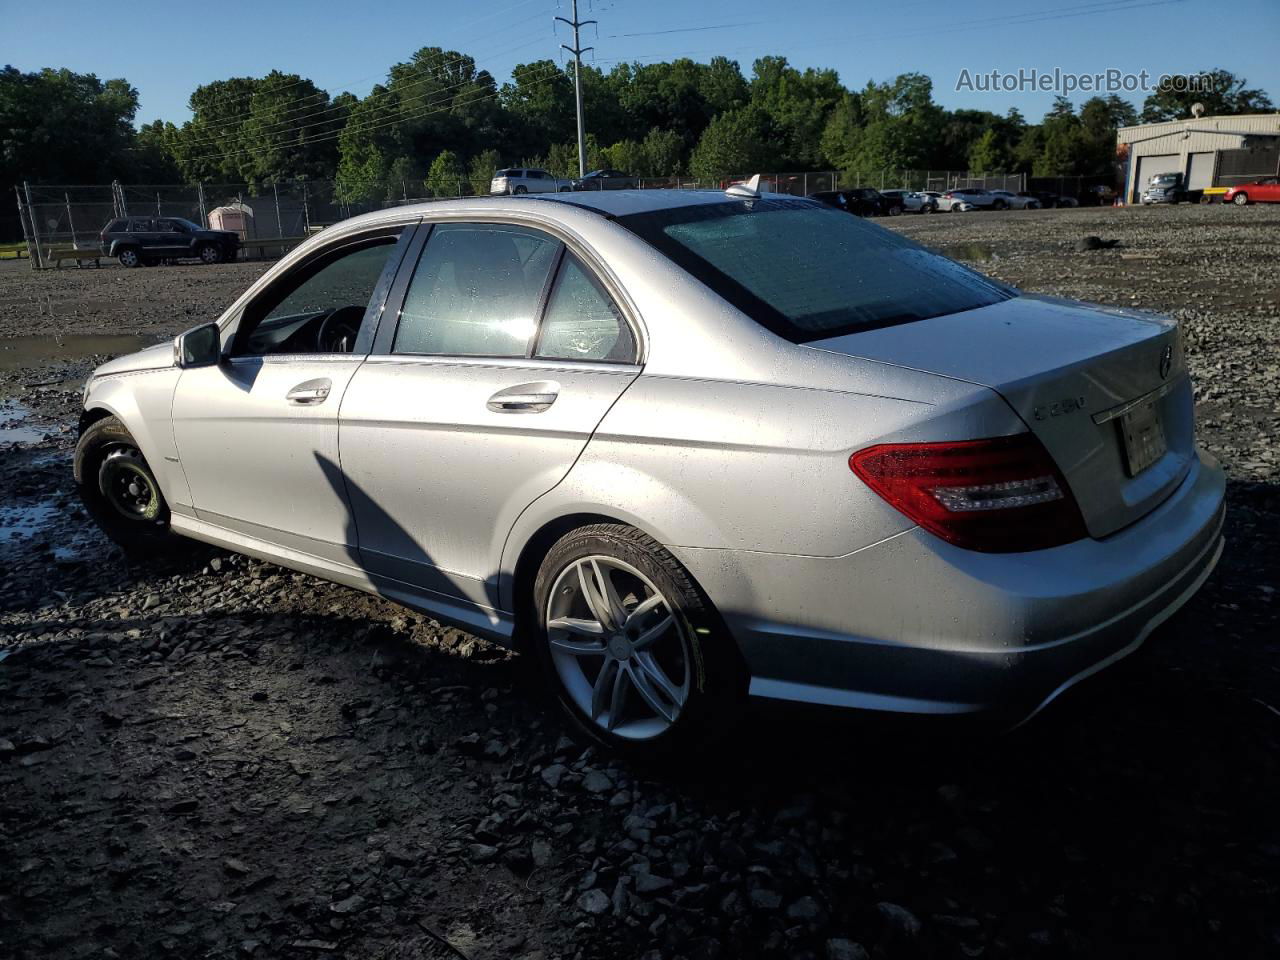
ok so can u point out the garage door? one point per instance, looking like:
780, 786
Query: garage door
1148, 167
1201, 174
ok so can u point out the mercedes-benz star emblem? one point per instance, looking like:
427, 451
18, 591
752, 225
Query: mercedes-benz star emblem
1166, 362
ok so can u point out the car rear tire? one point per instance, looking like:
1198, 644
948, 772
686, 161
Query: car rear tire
1240, 199
564, 189
895, 211
118, 488
129, 257
209, 253
631, 651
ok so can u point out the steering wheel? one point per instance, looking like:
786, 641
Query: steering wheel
337, 331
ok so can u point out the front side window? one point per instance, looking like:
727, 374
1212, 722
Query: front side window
582, 322
476, 291
806, 272
320, 307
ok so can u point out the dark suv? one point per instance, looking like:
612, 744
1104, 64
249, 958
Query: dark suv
863, 201
144, 241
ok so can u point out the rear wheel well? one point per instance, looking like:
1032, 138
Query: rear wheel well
531, 557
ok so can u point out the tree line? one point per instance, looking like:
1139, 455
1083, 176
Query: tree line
440, 119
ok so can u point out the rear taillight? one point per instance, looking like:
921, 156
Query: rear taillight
999, 495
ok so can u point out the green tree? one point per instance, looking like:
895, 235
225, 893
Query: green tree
989, 153
58, 126
1221, 92
734, 143
481, 170
663, 153
446, 175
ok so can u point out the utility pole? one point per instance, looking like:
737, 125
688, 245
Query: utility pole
578, 50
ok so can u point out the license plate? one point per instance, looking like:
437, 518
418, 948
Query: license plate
1143, 438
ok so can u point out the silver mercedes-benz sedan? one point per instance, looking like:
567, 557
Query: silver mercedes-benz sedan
682, 448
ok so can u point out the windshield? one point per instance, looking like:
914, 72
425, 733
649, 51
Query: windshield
1165, 178
808, 272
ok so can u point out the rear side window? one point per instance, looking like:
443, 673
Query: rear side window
476, 291
808, 272
582, 322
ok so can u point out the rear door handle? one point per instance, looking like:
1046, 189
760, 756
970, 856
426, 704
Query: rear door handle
310, 391
525, 397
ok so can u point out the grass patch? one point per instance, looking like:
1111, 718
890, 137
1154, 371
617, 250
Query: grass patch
10, 251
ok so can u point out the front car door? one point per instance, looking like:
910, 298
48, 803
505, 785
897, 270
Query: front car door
257, 435
506, 353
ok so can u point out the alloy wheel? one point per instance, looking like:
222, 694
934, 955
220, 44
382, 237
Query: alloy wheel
619, 649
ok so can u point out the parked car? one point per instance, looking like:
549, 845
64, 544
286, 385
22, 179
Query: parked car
963, 199
912, 201
1102, 195
1048, 199
521, 180
1169, 188
680, 448
606, 180
1015, 201
1266, 190
145, 241
863, 201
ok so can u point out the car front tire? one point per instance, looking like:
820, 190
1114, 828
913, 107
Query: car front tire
209, 253
999, 205
520, 190
632, 653
1240, 199
129, 257
118, 488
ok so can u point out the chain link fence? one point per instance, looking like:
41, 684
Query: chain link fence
65, 221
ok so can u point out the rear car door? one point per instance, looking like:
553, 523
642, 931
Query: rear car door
506, 353
171, 239
257, 434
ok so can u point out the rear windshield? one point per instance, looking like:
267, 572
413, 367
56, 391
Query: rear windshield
807, 271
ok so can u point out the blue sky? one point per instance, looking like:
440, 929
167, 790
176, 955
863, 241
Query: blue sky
167, 49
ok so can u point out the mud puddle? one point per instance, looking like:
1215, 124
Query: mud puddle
15, 426
18, 353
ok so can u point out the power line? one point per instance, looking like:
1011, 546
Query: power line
287, 121
551, 74
241, 117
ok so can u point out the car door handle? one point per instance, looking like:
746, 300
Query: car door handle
525, 397
310, 391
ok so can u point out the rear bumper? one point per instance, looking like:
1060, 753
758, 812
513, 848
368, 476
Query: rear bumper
915, 625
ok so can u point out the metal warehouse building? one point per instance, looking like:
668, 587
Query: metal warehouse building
1207, 151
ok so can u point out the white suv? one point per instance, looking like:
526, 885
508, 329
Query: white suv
519, 180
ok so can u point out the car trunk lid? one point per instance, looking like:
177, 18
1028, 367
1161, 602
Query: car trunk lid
1104, 389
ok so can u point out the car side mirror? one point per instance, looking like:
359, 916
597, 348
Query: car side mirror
201, 347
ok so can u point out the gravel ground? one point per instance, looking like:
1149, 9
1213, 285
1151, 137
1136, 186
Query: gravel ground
213, 757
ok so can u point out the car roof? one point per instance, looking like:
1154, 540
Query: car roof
619, 203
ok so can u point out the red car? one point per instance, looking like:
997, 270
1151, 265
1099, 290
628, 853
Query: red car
1266, 190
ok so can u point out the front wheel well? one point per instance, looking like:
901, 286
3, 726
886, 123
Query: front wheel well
89, 417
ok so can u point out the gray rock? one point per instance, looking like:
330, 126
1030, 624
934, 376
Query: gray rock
482, 852
764, 900
806, 908
597, 782
553, 774
651, 883
900, 920
594, 902
838, 948
352, 904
